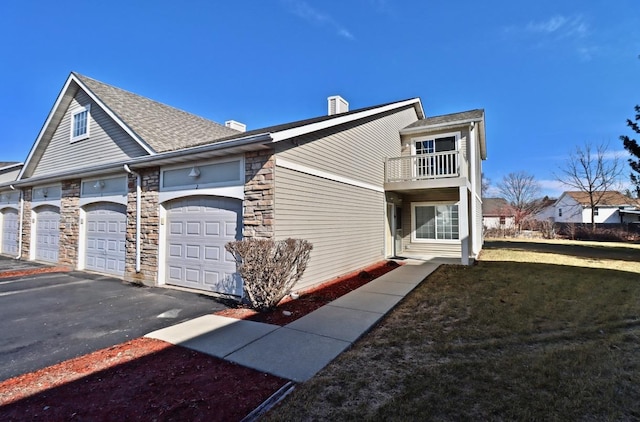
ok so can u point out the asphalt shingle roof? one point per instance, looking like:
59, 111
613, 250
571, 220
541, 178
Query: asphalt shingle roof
492, 207
610, 198
448, 118
162, 127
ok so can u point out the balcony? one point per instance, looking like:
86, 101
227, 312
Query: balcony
422, 167
439, 169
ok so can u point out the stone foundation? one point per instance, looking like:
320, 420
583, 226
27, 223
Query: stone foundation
26, 223
149, 228
69, 223
259, 192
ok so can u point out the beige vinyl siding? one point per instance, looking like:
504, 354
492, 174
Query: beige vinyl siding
344, 223
356, 150
436, 248
9, 176
107, 142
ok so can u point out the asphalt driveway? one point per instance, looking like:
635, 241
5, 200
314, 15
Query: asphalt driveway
49, 318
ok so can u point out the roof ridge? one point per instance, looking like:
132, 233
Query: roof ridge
151, 100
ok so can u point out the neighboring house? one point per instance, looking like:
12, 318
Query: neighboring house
613, 207
122, 185
497, 214
546, 209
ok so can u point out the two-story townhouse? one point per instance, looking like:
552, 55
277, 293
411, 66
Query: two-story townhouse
120, 184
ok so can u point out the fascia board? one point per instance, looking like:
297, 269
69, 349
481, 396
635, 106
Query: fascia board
10, 166
145, 161
438, 126
45, 125
314, 127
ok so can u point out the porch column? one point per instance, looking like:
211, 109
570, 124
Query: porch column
463, 224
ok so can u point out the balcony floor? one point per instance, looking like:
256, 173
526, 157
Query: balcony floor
412, 185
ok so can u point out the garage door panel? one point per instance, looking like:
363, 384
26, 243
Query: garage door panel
212, 228
198, 230
212, 253
193, 252
106, 238
211, 278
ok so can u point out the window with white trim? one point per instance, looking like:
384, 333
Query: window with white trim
432, 158
80, 123
435, 222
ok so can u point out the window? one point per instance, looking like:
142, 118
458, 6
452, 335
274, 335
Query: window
80, 123
503, 220
559, 212
435, 222
595, 211
429, 162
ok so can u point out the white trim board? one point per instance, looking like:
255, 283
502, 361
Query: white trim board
326, 175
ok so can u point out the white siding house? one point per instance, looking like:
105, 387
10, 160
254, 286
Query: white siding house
574, 207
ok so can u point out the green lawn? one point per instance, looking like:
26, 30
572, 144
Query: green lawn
532, 332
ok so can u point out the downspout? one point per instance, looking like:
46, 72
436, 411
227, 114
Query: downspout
19, 223
476, 232
138, 207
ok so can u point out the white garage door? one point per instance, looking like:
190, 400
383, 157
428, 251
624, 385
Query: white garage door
47, 233
106, 238
197, 230
10, 231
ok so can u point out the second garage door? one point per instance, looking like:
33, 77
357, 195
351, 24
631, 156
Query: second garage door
10, 231
197, 230
47, 233
106, 238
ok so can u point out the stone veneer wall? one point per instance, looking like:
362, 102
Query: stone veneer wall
149, 228
259, 193
26, 223
69, 223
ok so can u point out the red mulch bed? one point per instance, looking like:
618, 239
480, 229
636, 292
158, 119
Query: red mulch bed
29, 271
150, 380
289, 310
141, 380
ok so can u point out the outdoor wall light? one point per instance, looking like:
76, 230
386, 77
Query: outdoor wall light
99, 184
195, 172
45, 192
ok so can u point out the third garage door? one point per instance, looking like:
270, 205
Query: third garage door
106, 238
10, 231
197, 230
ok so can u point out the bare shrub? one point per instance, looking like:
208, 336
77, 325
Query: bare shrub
269, 268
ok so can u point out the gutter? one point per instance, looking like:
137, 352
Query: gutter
138, 207
148, 160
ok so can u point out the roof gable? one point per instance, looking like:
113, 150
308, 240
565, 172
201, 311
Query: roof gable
152, 126
452, 121
162, 127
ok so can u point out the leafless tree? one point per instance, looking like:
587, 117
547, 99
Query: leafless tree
521, 190
486, 184
592, 170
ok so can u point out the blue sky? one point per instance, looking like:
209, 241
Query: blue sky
550, 75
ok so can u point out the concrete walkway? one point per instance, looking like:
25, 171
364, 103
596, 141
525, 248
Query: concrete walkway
302, 348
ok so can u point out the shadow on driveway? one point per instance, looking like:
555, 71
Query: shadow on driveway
48, 318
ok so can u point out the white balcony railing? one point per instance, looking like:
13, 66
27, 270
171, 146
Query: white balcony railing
422, 167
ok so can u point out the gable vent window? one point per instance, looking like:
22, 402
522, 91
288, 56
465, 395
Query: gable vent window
80, 123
